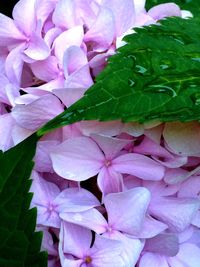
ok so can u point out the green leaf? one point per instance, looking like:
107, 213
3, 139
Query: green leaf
19, 244
155, 76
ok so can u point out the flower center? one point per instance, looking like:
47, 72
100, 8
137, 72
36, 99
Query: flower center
88, 259
108, 163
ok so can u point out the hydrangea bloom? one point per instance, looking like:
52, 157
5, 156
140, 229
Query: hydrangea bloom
108, 194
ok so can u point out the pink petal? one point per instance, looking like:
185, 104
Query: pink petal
42, 157
123, 13
73, 60
111, 128
6, 125
79, 79
71, 37
183, 138
164, 10
64, 14
132, 220
72, 161
19, 134
138, 165
43, 9
46, 70
189, 255
149, 147
27, 21
165, 244
37, 48
190, 188
131, 248
177, 213
91, 219
109, 145
9, 33
153, 260
74, 239
109, 181
151, 228
14, 65
174, 176
69, 96
75, 200
47, 241
139, 6
106, 252
37, 113
101, 34
44, 195
134, 129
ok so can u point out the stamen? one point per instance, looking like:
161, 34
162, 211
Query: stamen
88, 259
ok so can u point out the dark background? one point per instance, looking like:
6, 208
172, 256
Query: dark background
6, 6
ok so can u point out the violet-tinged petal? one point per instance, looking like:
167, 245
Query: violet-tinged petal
9, 33
73, 59
164, 10
14, 65
139, 6
106, 252
132, 220
72, 161
71, 37
138, 165
131, 248
190, 188
19, 134
124, 14
177, 213
153, 260
151, 228
91, 219
75, 200
24, 15
109, 181
109, 145
69, 96
79, 79
174, 176
189, 255
42, 157
183, 139
37, 48
43, 198
111, 128
64, 15
37, 113
44, 9
74, 239
47, 241
6, 126
101, 34
46, 70
165, 244
46, 191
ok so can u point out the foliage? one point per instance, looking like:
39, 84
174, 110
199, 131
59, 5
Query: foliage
155, 76
19, 244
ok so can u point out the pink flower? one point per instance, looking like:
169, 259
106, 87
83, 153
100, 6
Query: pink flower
75, 248
103, 157
127, 226
50, 201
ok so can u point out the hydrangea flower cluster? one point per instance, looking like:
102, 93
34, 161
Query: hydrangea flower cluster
108, 194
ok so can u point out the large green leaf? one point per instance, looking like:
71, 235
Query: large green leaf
19, 244
154, 77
